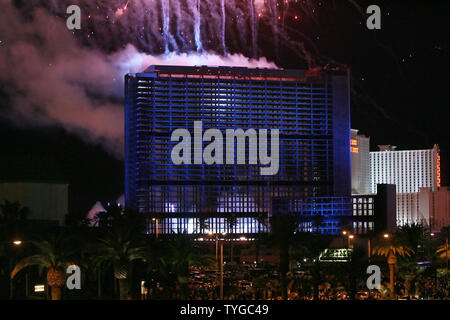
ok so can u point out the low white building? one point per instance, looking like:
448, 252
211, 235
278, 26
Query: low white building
416, 174
47, 201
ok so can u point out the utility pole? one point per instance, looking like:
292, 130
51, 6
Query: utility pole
11, 290
446, 257
217, 249
221, 270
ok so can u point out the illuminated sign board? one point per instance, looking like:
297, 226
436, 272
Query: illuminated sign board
39, 288
336, 255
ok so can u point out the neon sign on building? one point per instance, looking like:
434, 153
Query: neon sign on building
438, 170
354, 146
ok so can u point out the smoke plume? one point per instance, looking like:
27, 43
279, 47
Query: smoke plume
51, 79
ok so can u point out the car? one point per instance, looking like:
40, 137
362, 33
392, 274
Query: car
362, 295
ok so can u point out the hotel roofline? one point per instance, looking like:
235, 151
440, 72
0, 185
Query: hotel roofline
391, 148
241, 73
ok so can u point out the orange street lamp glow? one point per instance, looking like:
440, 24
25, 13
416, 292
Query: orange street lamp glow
386, 235
17, 242
351, 236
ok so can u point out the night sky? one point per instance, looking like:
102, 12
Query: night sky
400, 81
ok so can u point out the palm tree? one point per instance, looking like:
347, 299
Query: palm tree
55, 257
12, 225
203, 224
443, 252
120, 245
409, 271
391, 250
282, 229
180, 256
413, 235
118, 248
12, 212
309, 245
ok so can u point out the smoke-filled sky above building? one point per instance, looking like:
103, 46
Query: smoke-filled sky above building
63, 81
52, 77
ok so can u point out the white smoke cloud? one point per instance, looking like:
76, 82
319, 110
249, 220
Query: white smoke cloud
51, 80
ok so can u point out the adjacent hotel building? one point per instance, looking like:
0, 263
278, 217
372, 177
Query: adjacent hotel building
416, 174
311, 110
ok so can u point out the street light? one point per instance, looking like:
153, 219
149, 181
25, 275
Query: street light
157, 222
221, 259
386, 235
349, 236
217, 239
344, 233
350, 244
221, 267
16, 243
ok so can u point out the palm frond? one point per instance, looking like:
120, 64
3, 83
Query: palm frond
443, 252
37, 259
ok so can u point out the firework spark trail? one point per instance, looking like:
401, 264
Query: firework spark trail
187, 25
195, 7
182, 25
254, 28
168, 37
285, 14
136, 39
222, 7
274, 11
120, 11
177, 11
63, 83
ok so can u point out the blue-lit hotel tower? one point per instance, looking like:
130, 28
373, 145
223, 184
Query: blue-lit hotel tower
310, 108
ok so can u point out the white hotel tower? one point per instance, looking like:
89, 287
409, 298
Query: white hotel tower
413, 172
